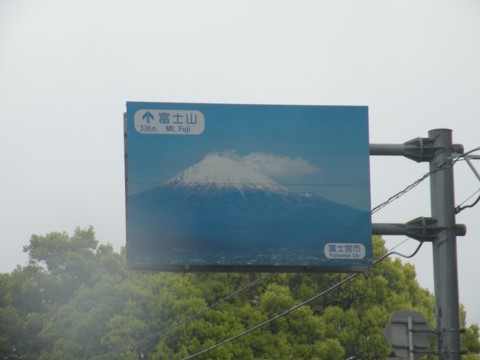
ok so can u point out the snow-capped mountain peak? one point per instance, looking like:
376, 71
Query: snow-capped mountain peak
223, 172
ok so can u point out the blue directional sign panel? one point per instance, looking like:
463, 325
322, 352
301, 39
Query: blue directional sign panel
215, 187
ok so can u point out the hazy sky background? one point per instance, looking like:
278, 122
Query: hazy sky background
67, 69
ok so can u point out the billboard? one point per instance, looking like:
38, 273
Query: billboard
222, 187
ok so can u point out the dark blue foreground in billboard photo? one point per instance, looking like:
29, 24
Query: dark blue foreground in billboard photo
216, 187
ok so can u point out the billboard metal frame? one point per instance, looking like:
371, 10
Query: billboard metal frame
325, 267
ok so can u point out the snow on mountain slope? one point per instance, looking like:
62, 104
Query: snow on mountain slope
216, 171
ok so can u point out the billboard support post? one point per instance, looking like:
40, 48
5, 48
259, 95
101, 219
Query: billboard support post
441, 229
444, 247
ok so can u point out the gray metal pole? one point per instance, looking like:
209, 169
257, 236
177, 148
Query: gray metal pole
387, 149
447, 310
411, 347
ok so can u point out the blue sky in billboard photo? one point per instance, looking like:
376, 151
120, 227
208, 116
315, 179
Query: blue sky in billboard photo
67, 69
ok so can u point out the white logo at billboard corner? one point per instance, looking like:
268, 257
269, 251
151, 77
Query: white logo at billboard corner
169, 122
345, 251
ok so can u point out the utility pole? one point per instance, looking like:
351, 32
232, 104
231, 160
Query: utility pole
440, 229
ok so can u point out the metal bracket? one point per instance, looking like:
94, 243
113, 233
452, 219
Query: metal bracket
421, 228
420, 149
423, 150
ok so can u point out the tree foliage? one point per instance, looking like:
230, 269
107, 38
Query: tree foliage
77, 300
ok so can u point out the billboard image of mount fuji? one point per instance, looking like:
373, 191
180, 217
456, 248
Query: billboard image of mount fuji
246, 188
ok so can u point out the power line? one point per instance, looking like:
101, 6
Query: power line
400, 193
201, 312
446, 165
273, 318
460, 208
295, 307
159, 333
469, 152
248, 286
394, 197
376, 209
407, 256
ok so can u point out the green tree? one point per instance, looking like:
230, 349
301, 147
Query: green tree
32, 297
77, 300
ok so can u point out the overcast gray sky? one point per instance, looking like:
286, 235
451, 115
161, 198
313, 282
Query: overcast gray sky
68, 67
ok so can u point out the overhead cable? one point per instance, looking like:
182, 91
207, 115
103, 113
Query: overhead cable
160, 332
295, 307
394, 197
445, 165
460, 207
210, 307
